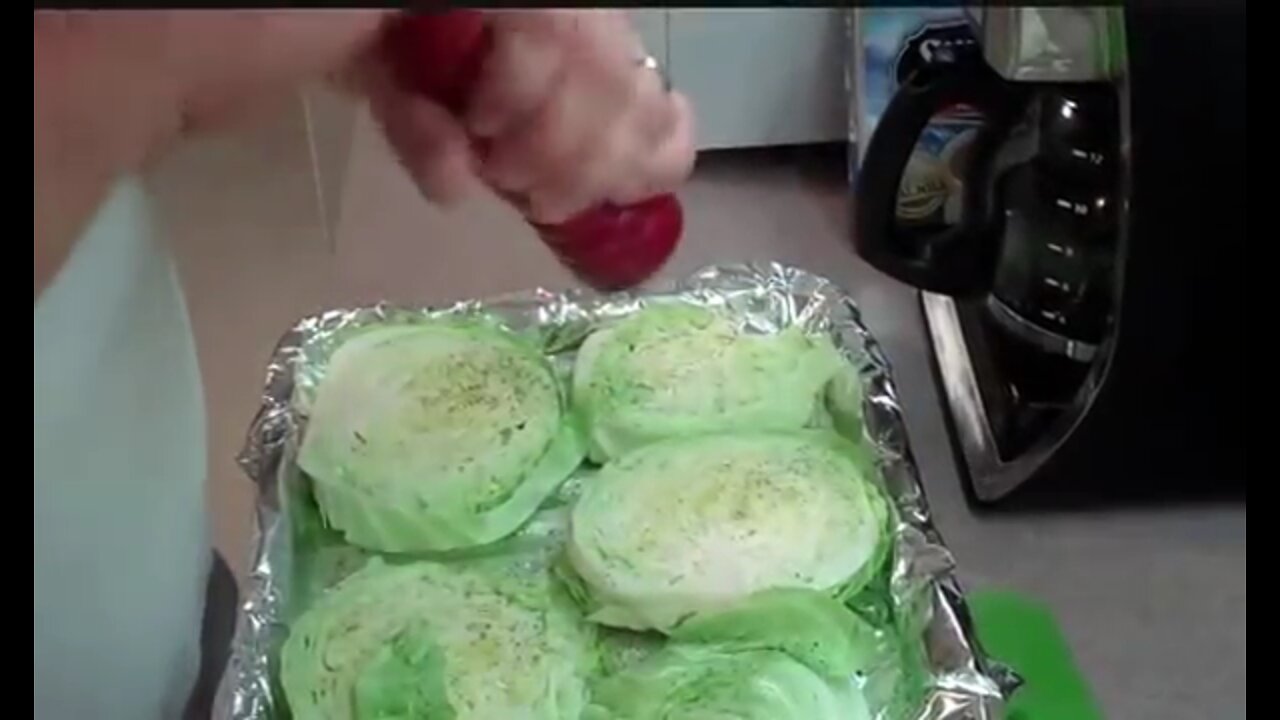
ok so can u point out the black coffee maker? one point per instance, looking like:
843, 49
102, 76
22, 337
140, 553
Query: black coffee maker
1086, 307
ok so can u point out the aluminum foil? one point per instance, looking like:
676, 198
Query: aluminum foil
955, 680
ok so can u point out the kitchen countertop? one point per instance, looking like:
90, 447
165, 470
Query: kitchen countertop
1152, 601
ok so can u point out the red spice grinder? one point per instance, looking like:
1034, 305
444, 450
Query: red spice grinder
610, 247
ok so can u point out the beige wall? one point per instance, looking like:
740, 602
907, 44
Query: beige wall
244, 212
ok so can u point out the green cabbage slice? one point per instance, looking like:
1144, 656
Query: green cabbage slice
709, 682
404, 680
699, 524
437, 436
810, 626
676, 369
621, 649
479, 640
778, 655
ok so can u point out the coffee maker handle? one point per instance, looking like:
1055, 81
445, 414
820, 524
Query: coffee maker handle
960, 260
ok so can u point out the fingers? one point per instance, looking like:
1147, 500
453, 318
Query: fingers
560, 196
668, 164
649, 152
524, 64
430, 143
564, 110
572, 118
560, 135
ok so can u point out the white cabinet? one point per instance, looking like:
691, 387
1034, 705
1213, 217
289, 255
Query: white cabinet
756, 77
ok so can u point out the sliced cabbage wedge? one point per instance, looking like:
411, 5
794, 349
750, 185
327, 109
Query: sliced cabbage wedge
710, 682
621, 649
777, 655
808, 625
437, 436
696, 525
674, 370
479, 640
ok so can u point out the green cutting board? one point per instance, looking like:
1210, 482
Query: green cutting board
1022, 633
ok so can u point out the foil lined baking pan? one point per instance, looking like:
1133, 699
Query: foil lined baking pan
943, 673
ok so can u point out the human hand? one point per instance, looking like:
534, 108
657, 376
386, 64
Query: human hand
569, 117
568, 114
565, 110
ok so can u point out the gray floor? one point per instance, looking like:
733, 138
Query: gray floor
1153, 602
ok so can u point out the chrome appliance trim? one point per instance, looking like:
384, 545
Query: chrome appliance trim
990, 476
1046, 340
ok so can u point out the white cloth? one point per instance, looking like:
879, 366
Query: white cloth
121, 538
